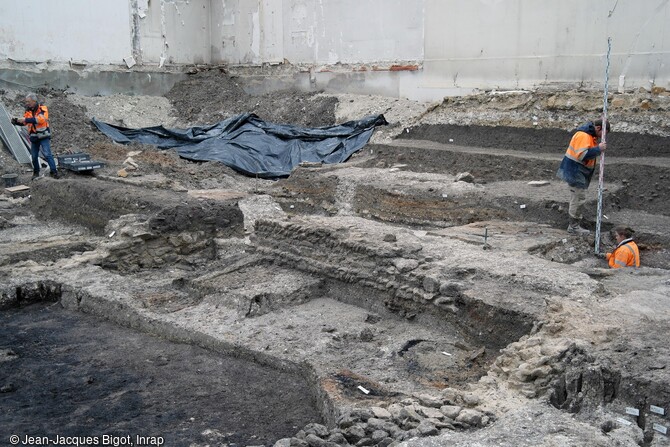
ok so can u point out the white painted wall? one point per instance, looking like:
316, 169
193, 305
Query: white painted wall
235, 24
524, 43
459, 45
353, 31
65, 30
174, 31
102, 31
462, 44
317, 32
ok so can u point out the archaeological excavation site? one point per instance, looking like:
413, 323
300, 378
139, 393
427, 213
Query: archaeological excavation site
295, 224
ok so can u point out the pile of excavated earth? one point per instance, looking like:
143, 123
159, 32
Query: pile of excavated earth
426, 290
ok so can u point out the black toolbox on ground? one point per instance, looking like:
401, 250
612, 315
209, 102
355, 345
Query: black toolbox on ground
78, 162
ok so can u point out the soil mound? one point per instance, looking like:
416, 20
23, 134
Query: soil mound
211, 96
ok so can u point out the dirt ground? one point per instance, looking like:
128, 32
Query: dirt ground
212, 96
66, 373
374, 273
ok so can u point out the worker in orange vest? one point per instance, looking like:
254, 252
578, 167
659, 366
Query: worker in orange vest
626, 253
36, 120
577, 168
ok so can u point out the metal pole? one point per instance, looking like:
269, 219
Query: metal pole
602, 154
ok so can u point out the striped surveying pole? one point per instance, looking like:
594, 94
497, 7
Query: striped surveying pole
602, 154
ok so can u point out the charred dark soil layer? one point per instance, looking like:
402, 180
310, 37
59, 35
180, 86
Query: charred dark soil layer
70, 374
97, 203
621, 144
646, 187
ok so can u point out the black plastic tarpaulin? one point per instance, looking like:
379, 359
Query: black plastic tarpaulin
250, 145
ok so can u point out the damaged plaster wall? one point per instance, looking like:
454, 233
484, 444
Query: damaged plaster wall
173, 31
418, 49
106, 32
81, 31
234, 24
322, 32
353, 32
457, 45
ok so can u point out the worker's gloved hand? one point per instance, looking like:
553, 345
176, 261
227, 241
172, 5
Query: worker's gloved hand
600, 255
15, 121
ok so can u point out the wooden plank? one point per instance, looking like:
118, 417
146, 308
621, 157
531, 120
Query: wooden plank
18, 191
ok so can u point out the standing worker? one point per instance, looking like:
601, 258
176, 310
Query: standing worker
626, 253
36, 119
577, 168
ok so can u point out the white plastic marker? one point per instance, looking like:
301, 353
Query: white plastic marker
657, 410
363, 390
632, 411
624, 421
602, 154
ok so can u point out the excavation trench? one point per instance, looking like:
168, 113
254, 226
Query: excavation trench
412, 183
303, 304
72, 374
372, 296
68, 351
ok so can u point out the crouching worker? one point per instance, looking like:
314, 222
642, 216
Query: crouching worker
626, 253
36, 120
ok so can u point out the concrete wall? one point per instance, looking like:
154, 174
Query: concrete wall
96, 32
171, 31
460, 45
106, 32
235, 26
353, 31
316, 32
520, 43
421, 49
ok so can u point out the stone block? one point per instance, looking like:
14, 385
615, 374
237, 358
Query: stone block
410, 413
427, 429
470, 417
451, 411
314, 441
317, 429
405, 265
378, 435
428, 400
431, 285
429, 412
380, 413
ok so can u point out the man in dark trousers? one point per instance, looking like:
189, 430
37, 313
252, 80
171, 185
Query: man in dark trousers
577, 168
36, 120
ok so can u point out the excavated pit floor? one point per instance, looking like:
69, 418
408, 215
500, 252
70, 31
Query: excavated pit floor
250, 304
285, 299
70, 374
376, 274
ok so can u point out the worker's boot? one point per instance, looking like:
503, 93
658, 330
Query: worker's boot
575, 228
36, 175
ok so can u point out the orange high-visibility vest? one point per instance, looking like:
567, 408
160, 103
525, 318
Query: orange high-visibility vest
625, 255
580, 143
41, 115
